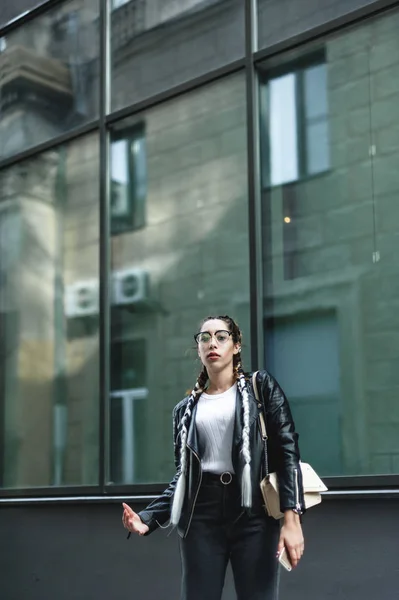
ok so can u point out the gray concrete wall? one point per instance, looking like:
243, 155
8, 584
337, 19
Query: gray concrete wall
81, 552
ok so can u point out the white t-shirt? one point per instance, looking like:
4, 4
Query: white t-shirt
215, 426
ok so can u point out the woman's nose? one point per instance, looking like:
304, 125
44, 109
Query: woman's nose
212, 343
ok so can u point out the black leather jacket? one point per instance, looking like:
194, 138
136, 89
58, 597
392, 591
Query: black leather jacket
283, 454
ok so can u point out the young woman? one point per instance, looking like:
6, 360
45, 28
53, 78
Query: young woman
214, 499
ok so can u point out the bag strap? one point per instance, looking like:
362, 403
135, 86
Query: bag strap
262, 423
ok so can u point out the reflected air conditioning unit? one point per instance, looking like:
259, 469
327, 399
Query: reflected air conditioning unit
130, 286
82, 299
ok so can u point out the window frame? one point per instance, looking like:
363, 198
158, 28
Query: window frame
135, 217
298, 68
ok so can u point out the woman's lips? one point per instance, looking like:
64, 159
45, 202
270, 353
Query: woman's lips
213, 356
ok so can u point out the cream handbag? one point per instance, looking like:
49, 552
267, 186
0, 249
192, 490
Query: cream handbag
312, 484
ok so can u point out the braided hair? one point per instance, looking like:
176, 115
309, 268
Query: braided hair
246, 486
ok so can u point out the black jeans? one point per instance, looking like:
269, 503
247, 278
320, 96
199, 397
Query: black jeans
220, 532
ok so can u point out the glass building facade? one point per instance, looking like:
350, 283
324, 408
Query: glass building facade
162, 160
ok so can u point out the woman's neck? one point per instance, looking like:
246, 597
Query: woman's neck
220, 382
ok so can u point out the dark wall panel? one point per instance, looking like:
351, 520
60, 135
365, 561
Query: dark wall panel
81, 552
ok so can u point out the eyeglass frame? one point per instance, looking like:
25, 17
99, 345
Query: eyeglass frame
212, 335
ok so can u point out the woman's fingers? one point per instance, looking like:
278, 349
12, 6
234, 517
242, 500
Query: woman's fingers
293, 556
127, 508
128, 516
295, 552
280, 546
132, 522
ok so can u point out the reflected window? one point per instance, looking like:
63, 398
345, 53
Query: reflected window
127, 408
296, 124
128, 181
295, 347
118, 3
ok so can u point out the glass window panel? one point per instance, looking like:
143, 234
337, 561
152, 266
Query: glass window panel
380, 287
280, 20
181, 266
158, 44
11, 9
330, 260
317, 143
283, 130
315, 82
49, 76
49, 238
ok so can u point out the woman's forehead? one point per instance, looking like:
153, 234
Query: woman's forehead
214, 325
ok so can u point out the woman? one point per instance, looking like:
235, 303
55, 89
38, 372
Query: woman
214, 499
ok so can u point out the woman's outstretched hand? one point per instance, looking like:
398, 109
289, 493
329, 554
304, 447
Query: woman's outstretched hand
291, 537
132, 522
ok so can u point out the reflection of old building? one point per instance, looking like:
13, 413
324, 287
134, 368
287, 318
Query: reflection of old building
172, 172
180, 163
332, 243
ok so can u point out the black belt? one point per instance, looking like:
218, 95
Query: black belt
224, 478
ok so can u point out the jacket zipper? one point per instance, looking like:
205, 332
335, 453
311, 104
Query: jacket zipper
298, 506
196, 494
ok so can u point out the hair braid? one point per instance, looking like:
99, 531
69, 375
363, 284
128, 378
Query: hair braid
246, 484
184, 424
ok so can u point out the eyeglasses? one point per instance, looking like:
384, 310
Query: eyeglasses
204, 337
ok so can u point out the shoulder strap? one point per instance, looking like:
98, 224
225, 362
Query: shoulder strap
262, 422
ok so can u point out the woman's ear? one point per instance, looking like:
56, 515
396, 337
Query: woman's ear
237, 349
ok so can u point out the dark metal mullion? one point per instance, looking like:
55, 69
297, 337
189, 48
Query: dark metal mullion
254, 212
132, 183
104, 250
64, 138
301, 123
264, 134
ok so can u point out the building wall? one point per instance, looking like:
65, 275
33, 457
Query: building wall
81, 552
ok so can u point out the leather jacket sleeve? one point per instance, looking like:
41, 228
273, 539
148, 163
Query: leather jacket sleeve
157, 513
283, 445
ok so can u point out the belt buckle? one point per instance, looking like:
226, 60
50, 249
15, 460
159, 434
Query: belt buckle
229, 475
